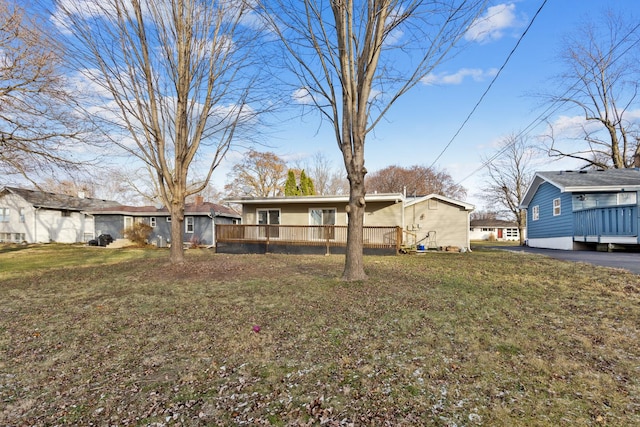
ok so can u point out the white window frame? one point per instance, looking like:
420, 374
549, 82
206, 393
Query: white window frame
169, 218
557, 207
4, 214
323, 234
274, 233
189, 224
535, 213
21, 215
152, 221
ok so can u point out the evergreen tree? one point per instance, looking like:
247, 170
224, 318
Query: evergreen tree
290, 186
304, 184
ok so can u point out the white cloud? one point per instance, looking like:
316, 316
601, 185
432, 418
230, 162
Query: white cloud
493, 23
458, 77
303, 96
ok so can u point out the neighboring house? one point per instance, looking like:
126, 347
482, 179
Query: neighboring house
494, 229
199, 221
34, 216
580, 209
431, 221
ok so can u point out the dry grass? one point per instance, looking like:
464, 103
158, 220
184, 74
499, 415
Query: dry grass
487, 338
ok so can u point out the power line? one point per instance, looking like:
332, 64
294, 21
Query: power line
504, 64
556, 105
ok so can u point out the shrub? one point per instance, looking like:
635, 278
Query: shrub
138, 233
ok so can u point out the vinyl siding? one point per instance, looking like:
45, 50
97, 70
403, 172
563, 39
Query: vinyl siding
549, 225
376, 213
450, 222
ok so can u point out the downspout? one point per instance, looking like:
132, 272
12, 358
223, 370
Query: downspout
35, 224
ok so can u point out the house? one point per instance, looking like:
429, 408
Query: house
494, 229
584, 209
199, 221
34, 216
391, 220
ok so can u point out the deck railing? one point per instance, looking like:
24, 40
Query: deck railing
309, 235
608, 221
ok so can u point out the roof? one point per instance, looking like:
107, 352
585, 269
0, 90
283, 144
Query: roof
496, 223
191, 209
47, 200
585, 181
466, 206
372, 197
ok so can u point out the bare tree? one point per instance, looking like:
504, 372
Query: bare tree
176, 79
418, 180
601, 81
37, 125
347, 57
327, 180
258, 174
509, 175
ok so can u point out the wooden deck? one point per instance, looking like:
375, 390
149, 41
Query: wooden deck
241, 238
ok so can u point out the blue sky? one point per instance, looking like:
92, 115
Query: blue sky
424, 121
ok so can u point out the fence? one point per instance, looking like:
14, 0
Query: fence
318, 236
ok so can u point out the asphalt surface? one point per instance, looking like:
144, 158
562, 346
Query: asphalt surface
625, 260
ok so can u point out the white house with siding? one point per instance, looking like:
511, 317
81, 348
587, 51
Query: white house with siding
34, 216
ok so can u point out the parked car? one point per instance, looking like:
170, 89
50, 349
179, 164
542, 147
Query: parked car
102, 240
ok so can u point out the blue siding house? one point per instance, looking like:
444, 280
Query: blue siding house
574, 210
199, 221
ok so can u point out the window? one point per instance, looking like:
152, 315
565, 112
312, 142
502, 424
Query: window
169, 219
4, 214
66, 213
322, 217
535, 213
556, 207
152, 221
21, 215
267, 217
188, 224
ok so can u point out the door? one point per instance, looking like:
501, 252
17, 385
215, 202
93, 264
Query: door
266, 218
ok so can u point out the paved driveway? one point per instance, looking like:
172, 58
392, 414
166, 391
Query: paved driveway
625, 260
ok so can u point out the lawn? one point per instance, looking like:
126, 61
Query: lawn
486, 338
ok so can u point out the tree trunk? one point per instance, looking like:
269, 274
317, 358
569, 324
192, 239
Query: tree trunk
176, 254
522, 221
354, 259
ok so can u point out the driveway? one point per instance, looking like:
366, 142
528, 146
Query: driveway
624, 260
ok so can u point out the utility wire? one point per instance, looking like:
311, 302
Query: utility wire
504, 64
555, 106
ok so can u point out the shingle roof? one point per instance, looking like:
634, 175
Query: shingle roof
614, 178
204, 208
48, 200
492, 223
610, 180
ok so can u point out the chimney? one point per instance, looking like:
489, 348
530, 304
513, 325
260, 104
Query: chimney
199, 200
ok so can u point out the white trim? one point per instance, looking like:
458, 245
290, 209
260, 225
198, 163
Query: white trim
381, 197
562, 243
558, 206
186, 225
629, 240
